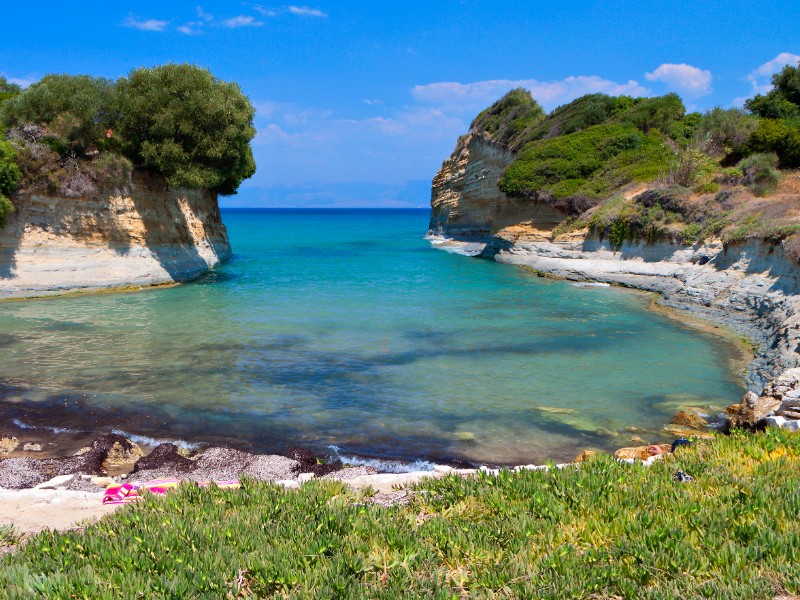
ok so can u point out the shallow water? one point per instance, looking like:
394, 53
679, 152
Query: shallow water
346, 328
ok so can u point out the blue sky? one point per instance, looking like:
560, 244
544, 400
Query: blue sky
358, 103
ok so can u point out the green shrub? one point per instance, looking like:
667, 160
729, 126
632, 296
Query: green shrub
783, 100
10, 173
692, 167
507, 120
723, 131
73, 108
760, 172
781, 137
691, 234
6, 209
659, 113
111, 170
184, 123
709, 187
7, 91
580, 114
592, 163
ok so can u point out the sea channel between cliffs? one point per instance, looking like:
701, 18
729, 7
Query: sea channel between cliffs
421, 355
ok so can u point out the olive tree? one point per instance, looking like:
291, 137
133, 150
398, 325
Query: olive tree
184, 123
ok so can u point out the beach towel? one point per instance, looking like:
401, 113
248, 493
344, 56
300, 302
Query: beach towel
128, 492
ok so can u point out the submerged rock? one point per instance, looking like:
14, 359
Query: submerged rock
8, 444
687, 419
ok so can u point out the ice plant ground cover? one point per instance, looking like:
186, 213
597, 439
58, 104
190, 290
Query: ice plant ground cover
604, 528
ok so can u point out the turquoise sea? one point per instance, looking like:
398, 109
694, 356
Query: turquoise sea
347, 329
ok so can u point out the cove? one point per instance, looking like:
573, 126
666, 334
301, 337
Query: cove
346, 328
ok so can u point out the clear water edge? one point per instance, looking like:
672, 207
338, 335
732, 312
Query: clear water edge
348, 329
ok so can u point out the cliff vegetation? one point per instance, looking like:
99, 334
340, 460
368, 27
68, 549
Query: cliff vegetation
69, 135
642, 168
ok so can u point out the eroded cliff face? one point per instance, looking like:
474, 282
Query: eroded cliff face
149, 235
466, 202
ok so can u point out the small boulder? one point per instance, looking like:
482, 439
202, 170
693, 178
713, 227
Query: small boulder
686, 419
8, 443
687, 432
751, 411
641, 452
32, 447
310, 462
108, 450
166, 458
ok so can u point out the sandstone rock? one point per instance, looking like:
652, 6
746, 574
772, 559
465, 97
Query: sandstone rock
583, 456
640, 452
121, 453
149, 235
103, 481
687, 432
750, 411
637, 440
303, 477
634, 452
8, 443
634, 429
32, 447
686, 419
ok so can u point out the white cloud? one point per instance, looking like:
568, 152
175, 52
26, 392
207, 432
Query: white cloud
683, 78
468, 97
300, 11
373, 101
191, 28
242, 21
266, 12
759, 78
305, 11
204, 15
146, 24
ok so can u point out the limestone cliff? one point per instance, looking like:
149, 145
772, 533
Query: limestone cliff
466, 202
145, 236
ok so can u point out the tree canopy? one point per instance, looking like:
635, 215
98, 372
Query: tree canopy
783, 100
186, 124
176, 120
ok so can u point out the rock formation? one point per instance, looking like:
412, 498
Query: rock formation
145, 236
466, 203
752, 286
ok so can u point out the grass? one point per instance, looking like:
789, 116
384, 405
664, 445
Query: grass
8, 536
604, 529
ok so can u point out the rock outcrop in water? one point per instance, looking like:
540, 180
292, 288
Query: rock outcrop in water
148, 235
466, 202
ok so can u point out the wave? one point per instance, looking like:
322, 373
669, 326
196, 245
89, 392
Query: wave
22, 425
148, 441
590, 284
384, 466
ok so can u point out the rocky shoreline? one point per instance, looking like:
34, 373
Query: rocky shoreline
57, 492
751, 288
